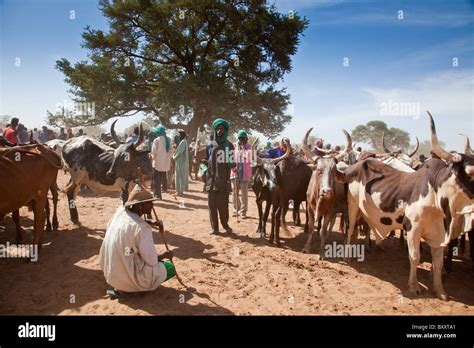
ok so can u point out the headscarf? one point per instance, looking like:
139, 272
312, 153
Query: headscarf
161, 131
242, 134
217, 123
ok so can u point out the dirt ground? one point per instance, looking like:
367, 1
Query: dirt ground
237, 274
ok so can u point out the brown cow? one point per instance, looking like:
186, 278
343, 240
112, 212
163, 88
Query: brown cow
26, 175
323, 193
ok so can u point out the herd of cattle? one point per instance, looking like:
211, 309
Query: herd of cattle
378, 192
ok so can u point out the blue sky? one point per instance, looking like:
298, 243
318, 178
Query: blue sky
391, 61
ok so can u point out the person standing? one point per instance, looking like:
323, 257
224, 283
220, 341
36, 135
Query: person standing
161, 156
11, 132
241, 174
218, 184
69, 134
181, 167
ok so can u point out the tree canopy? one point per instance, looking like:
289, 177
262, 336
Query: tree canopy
371, 133
187, 62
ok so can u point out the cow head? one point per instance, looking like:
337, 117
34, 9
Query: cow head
127, 159
266, 167
462, 164
326, 167
405, 158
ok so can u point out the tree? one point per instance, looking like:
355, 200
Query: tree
371, 133
188, 62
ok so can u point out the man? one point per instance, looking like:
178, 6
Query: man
218, 176
44, 135
277, 151
241, 174
161, 155
128, 256
11, 132
69, 134
62, 135
23, 136
35, 134
134, 137
181, 164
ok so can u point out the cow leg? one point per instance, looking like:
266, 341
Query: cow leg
54, 193
437, 262
462, 244
71, 193
284, 210
448, 263
402, 238
265, 217
272, 229
296, 213
38, 210
46, 216
310, 223
260, 216
19, 231
413, 240
471, 248
278, 218
124, 193
322, 236
353, 213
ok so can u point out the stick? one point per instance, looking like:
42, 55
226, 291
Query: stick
162, 234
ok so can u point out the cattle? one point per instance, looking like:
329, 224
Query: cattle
405, 158
448, 264
50, 224
102, 168
26, 175
291, 175
325, 196
422, 203
196, 154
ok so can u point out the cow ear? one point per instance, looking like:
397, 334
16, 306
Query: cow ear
340, 176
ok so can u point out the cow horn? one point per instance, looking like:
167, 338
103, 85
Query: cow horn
114, 135
467, 145
140, 136
285, 155
255, 143
383, 144
327, 152
438, 150
304, 146
348, 148
411, 154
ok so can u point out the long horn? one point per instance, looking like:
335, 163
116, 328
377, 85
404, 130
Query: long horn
114, 135
438, 150
348, 148
140, 136
286, 154
327, 152
304, 146
255, 142
411, 154
467, 145
383, 144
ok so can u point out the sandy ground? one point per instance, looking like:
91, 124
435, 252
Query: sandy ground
230, 274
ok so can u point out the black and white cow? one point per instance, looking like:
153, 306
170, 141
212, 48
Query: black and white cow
101, 167
423, 203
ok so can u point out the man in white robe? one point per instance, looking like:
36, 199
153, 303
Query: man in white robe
128, 256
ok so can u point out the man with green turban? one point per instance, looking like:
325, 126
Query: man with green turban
181, 164
241, 173
218, 186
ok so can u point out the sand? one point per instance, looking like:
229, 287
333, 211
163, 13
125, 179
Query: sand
236, 274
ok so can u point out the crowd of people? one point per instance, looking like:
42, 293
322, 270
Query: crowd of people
17, 133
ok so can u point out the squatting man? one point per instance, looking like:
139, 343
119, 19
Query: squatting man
128, 256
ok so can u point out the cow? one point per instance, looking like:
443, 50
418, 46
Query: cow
103, 168
325, 195
50, 224
292, 176
448, 264
422, 203
26, 174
